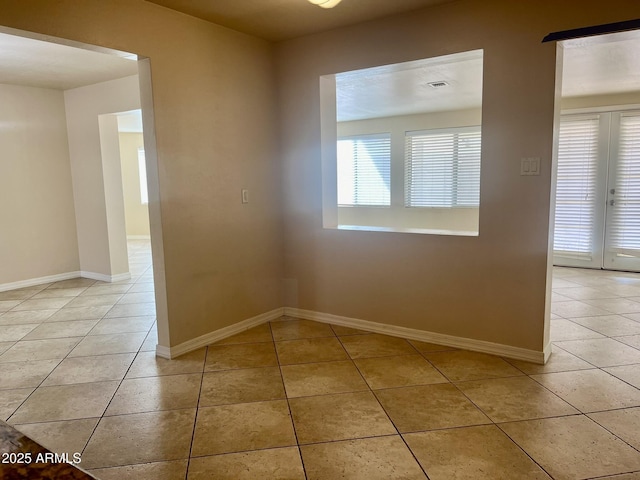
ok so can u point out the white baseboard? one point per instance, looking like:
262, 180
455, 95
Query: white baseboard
38, 281
392, 330
138, 237
216, 335
105, 278
423, 336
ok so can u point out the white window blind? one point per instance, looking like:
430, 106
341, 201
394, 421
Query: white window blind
442, 168
364, 170
624, 226
576, 185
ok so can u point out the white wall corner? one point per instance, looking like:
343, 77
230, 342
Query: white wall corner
422, 336
217, 335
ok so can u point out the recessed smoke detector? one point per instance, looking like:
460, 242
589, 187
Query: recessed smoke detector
438, 84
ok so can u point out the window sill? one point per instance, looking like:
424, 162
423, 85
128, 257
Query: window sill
421, 231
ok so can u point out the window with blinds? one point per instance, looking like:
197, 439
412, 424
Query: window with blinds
442, 168
364, 170
624, 223
576, 185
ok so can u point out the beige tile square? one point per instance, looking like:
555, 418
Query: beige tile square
140, 438
20, 294
94, 301
78, 313
590, 390
272, 464
610, 325
70, 436
250, 355
26, 317
99, 368
242, 427
4, 346
602, 352
615, 305
577, 308
567, 330
514, 398
376, 345
241, 386
42, 304
108, 289
625, 424
573, 447
25, 374
78, 328
66, 402
108, 344
429, 407
381, 458
6, 305
296, 329
632, 340
626, 373
559, 361
74, 283
627, 476
132, 310
174, 470
344, 416
400, 371
342, 331
142, 287
59, 292
151, 342
150, 394
479, 453
139, 297
259, 334
39, 350
584, 293
108, 326
461, 365
310, 350
10, 400
426, 347
13, 333
321, 378
147, 364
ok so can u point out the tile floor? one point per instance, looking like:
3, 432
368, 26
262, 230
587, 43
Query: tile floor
295, 399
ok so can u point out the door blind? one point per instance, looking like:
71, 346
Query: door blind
576, 186
364, 170
624, 226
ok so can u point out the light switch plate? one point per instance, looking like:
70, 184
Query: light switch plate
530, 166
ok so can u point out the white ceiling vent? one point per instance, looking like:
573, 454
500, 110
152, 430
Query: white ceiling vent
438, 84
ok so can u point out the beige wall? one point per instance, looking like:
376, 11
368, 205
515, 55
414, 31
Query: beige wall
95, 165
37, 222
599, 101
492, 287
211, 87
135, 212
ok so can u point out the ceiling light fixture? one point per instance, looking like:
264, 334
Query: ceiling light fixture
325, 3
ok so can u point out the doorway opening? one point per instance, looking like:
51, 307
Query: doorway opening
597, 215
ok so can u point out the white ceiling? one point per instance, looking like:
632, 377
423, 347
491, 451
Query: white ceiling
402, 89
37, 63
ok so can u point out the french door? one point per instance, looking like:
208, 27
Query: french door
597, 221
